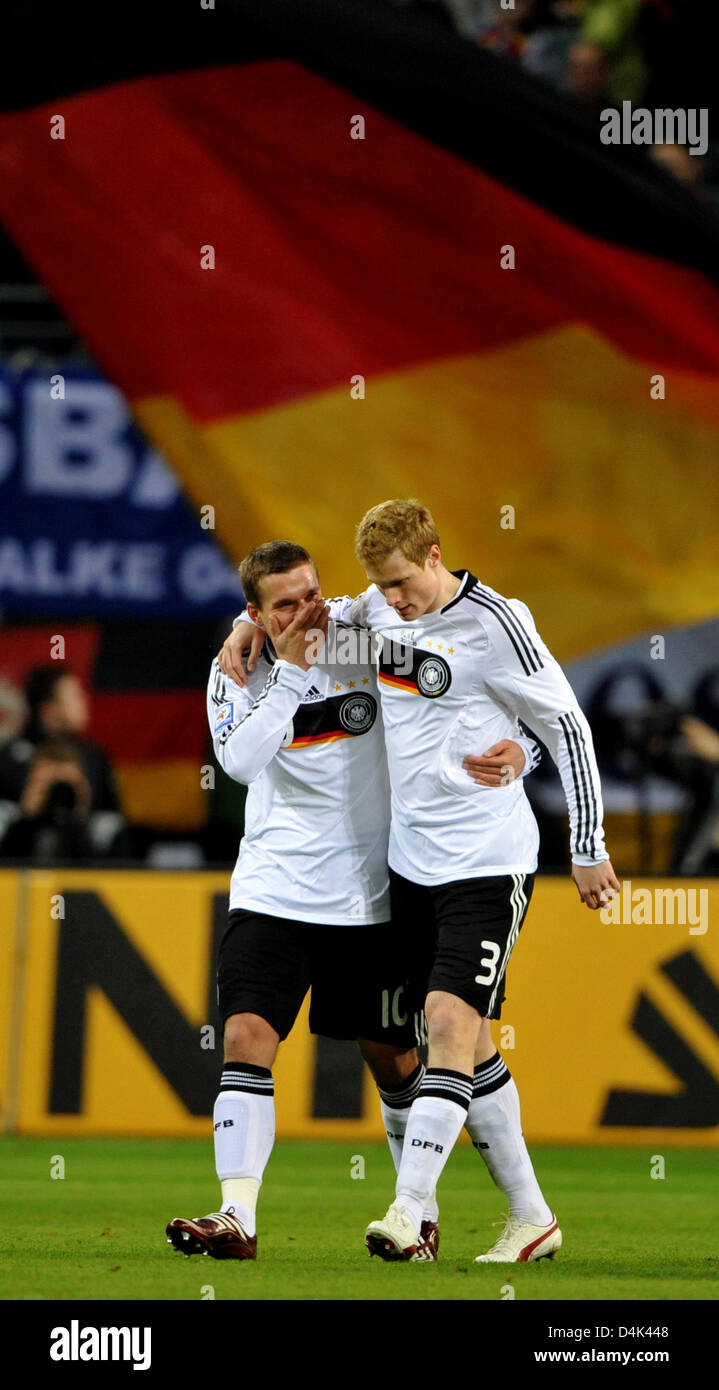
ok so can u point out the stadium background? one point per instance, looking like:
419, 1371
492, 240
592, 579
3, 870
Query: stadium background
208, 408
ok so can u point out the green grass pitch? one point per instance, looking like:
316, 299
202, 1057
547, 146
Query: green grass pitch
99, 1232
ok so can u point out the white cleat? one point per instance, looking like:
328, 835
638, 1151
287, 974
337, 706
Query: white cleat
394, 1237
521, 1242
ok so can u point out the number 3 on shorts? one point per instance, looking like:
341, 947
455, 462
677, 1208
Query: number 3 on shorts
490, 962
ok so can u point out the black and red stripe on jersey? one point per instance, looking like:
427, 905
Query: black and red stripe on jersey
325, 720
414, 669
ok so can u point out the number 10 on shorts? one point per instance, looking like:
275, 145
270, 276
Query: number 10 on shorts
392, 1006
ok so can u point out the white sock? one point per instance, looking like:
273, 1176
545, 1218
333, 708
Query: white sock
395, 1103
433, 1127
239, 1195
244, 1121
495, 1128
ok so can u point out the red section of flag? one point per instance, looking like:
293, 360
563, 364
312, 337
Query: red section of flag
135, 726
149, 727
22, 648
333, 256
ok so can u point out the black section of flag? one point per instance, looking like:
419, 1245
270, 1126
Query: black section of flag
145, 655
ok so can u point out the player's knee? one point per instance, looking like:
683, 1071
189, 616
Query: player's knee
249, 1038
448, 1026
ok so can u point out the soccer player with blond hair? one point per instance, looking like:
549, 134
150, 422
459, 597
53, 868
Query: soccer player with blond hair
458, 666
462, 869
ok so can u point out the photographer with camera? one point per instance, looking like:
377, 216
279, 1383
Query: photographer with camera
58, 798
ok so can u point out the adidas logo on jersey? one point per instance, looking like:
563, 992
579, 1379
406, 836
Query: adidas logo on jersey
312, 696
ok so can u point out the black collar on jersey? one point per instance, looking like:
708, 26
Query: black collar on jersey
469, 582
269, 652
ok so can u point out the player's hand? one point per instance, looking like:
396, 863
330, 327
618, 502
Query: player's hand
302, 641
499, 766
596, 884
243, 638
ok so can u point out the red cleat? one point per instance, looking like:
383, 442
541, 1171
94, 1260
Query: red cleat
219, 1234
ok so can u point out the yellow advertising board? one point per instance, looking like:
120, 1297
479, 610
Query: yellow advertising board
109, 1023
12, 885
117, 979
616, 1023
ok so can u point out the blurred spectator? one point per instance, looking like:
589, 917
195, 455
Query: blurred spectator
484, 21
553, 31
611, 28
12, 709
56, 787
592, 49
587, 74
678, 162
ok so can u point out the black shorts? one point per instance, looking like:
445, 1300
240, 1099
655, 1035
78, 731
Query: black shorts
358, 976
464, 933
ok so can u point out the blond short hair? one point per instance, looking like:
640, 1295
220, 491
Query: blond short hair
401, 524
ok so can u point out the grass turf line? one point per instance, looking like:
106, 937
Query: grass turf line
99, 1232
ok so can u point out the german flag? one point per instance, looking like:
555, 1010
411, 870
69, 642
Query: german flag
340, 254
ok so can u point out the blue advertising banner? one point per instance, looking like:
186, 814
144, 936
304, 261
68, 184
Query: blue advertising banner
92, 519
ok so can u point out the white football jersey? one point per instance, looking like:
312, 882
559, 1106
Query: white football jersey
455, 682
310, 746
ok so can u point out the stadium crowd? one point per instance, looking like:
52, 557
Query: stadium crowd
599, 53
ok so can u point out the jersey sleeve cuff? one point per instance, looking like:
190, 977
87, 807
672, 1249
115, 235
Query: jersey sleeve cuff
586, 861
532, 753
